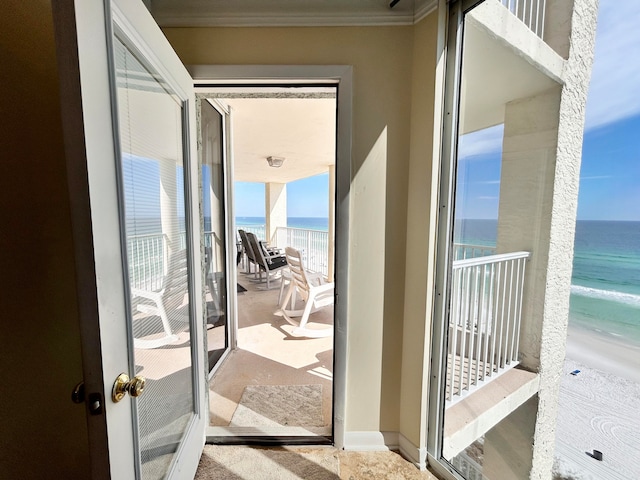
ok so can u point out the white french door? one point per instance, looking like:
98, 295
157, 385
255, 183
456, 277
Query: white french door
129, 115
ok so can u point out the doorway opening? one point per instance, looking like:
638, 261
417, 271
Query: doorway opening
268, 158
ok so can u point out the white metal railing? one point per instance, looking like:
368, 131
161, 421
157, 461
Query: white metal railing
466, 250
468, 467
147, 255
484, 323
531, 12
257, 230
313, 244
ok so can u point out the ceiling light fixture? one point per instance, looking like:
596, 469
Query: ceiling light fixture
275, 162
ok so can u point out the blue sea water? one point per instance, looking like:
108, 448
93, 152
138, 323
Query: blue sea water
310, 223
605, 290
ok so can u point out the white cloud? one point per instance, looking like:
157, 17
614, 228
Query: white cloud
481, 142
615, 80
596, 177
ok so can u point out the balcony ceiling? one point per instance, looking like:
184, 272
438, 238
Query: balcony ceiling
246, 13
493, 74
302, 130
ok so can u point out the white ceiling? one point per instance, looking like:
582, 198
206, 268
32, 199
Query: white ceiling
302, 130
192, 13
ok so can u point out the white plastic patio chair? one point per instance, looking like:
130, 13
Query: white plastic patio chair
166, 303
316, 295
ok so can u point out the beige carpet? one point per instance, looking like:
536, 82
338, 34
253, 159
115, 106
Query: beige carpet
303, 463
279, 405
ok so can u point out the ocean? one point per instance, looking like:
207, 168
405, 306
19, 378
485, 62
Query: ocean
310, 223
605, 286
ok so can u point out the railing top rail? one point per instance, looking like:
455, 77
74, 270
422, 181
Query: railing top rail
146, 235
302, 229
502, 257
474, 245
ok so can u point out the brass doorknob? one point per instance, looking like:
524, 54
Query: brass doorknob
124, 385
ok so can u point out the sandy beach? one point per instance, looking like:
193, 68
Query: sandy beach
599, 408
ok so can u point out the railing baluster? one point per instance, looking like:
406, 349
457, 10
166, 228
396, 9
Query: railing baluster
530, 12
480, 323
453, 324
488, 320
471, 322
510, 325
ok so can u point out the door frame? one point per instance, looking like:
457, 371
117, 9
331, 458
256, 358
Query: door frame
452, 35
231, 277
340, 76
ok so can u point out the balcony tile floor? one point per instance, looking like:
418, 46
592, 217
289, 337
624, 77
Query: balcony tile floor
268, 354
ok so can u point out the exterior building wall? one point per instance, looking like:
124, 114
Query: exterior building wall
44, 434
538, 203
573, 100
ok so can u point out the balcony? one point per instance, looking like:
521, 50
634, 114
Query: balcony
483, 385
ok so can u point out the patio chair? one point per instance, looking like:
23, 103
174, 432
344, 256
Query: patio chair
168, 303
312, 289
248, 251
265, 262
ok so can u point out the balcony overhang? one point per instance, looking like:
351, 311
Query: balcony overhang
503, 61
472, 417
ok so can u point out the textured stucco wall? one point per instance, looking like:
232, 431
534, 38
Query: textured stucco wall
577, 75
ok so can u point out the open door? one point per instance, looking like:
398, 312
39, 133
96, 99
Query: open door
218, 236
129, 113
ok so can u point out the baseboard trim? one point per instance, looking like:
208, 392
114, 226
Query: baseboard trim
371, 441
416, 455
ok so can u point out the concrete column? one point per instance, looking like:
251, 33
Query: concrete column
275, 200
332, 221
169, 206
527, 184
526, 202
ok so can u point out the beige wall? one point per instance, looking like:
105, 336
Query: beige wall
423, 191
44, 434
382, 58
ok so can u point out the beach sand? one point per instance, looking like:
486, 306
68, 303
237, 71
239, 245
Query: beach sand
599, 408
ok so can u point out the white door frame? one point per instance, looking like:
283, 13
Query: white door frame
341, 76
231, 277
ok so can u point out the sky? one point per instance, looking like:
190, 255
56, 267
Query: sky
308, 197
610, 173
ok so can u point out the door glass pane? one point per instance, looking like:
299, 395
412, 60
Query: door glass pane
504, 167
212, 205
151, 132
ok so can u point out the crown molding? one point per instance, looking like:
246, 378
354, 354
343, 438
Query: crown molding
202, 15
